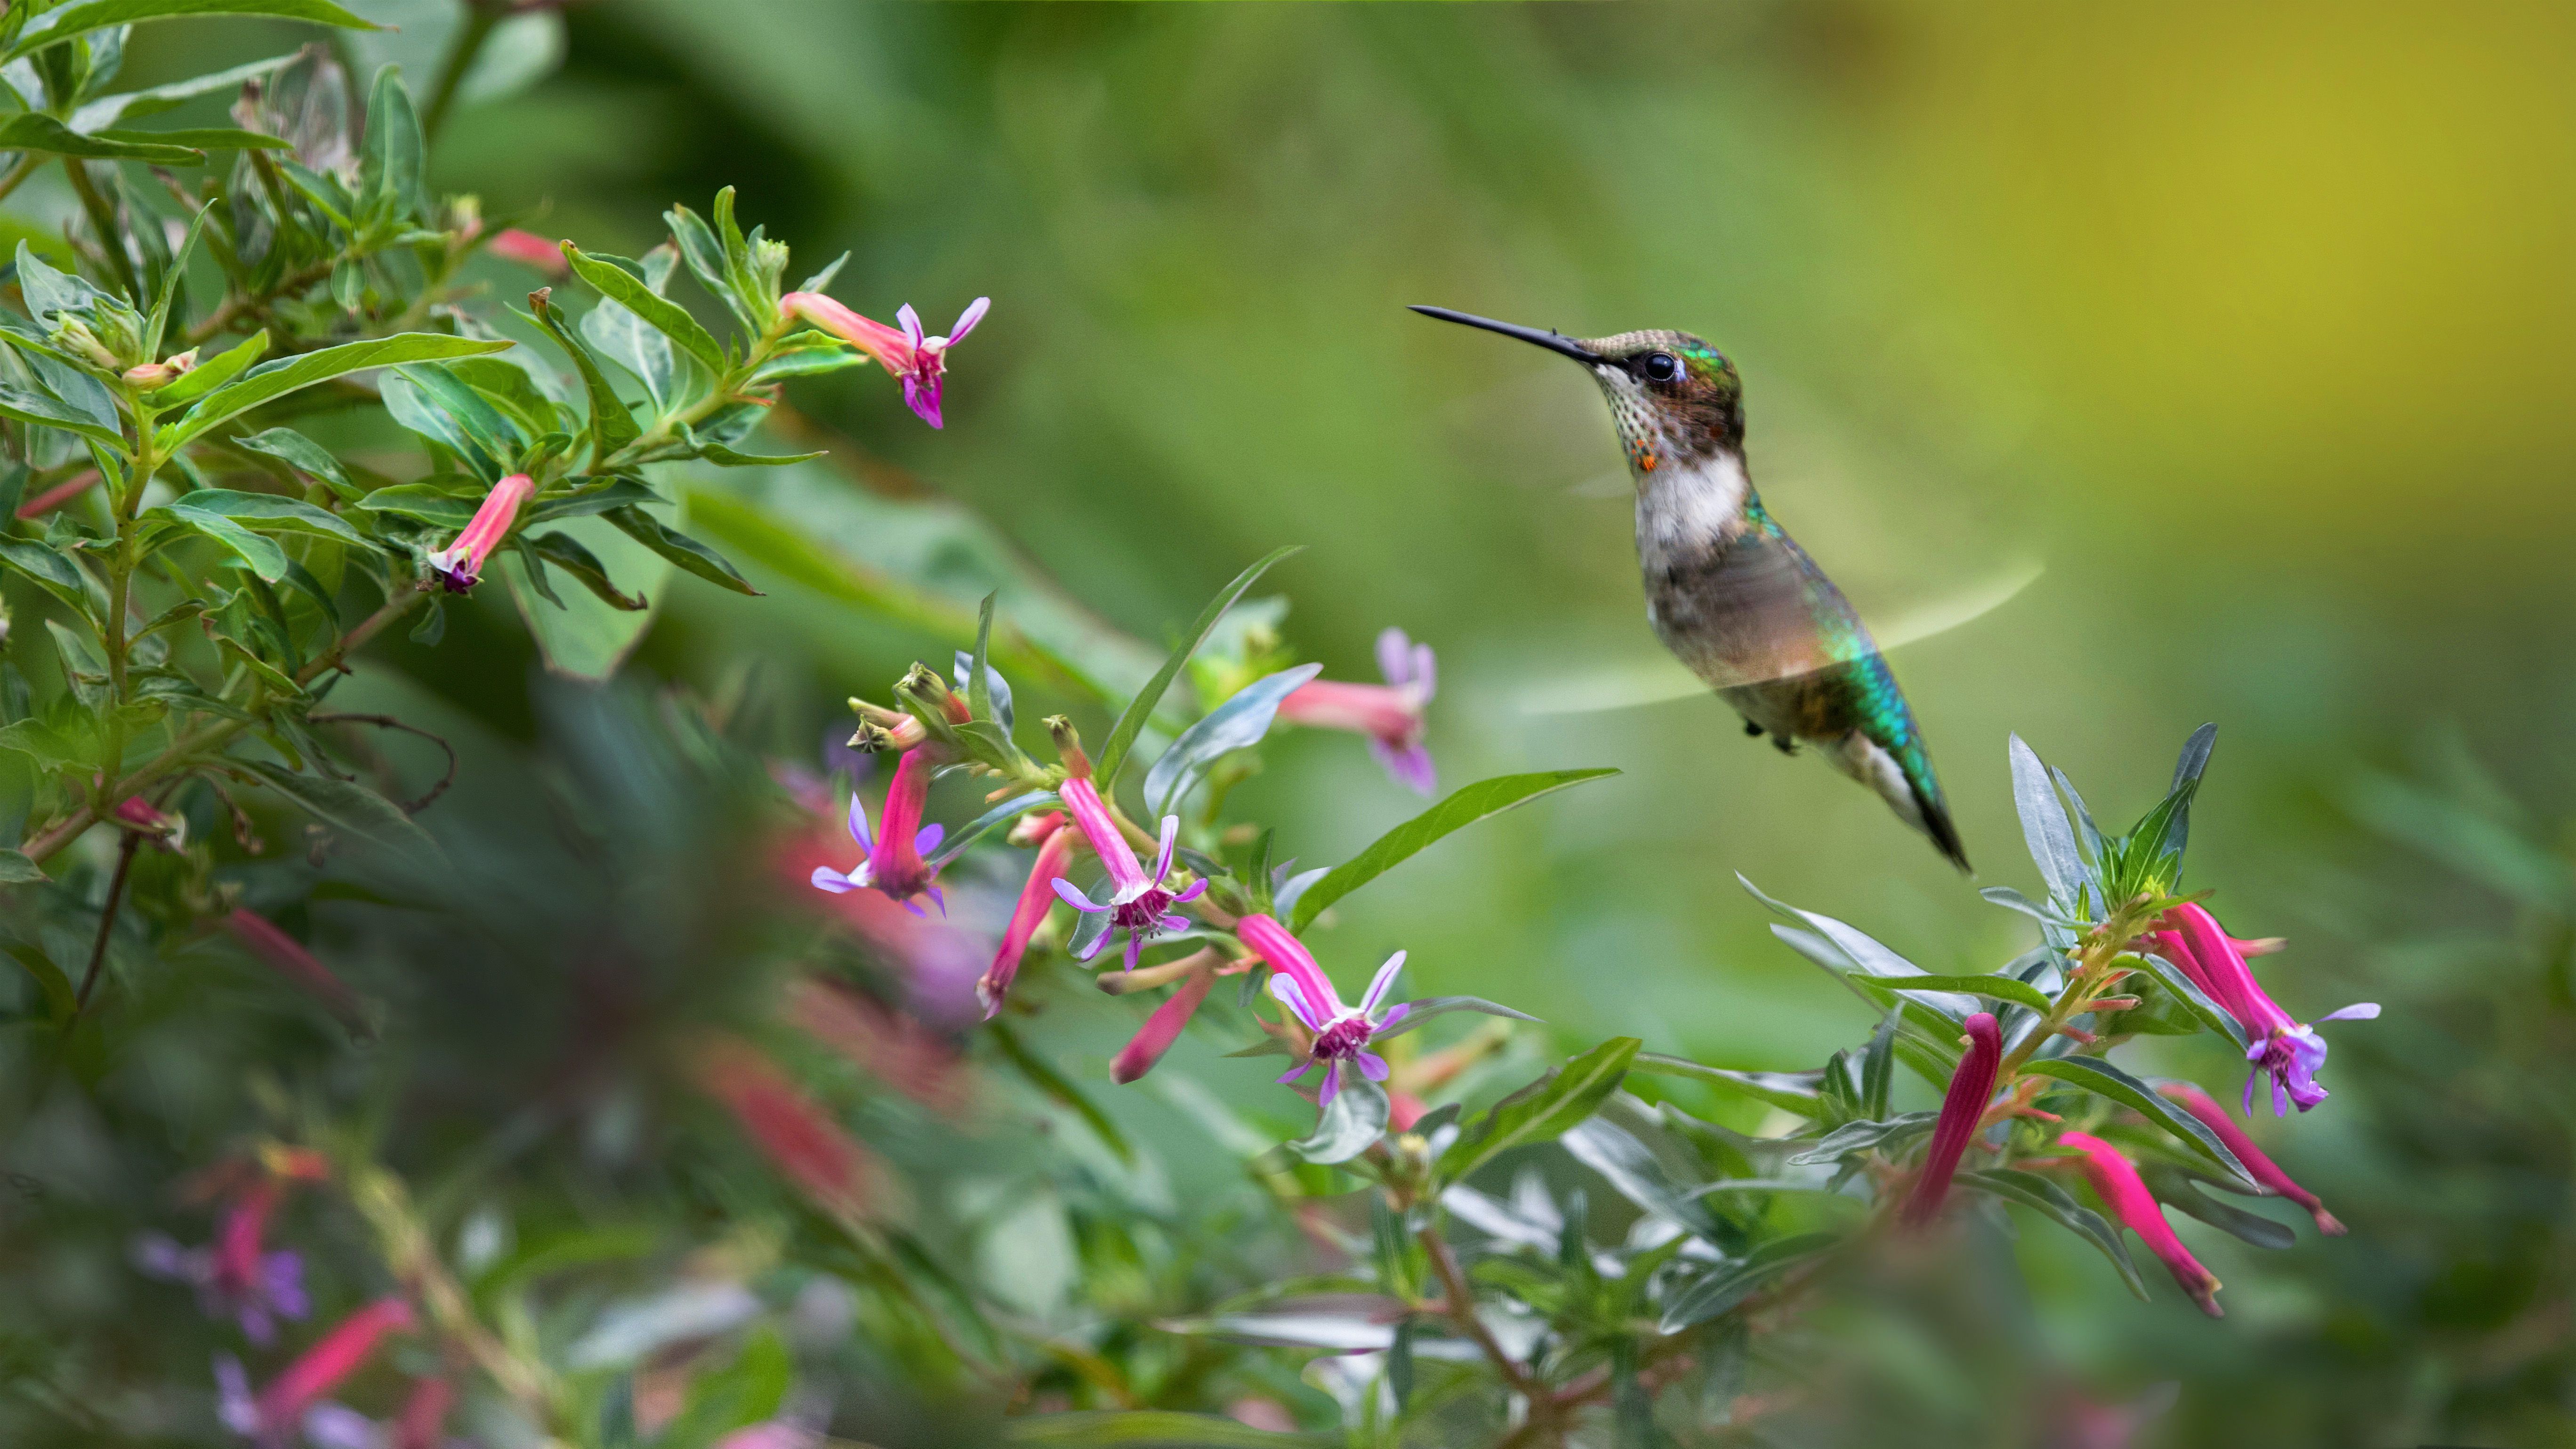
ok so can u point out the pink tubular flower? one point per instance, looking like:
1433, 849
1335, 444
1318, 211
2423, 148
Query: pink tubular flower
2279, 1046
1161, 1029
459, 566
277, 1409
1137, 904
1390, 714
920, 361
1055, 852
2267, 1172
2116, 1182
1962, 1108
894, 864
1342, 1034
529, 250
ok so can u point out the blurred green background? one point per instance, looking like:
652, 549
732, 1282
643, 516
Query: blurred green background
2252, 329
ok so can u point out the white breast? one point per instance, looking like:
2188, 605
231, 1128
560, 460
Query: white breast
1683, 509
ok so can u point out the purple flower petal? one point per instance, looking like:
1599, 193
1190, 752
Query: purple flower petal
160, 1256
1395, 655
282, 1276
1135, 943
1408, 765
859, 824
1426, 671
1197, 889
938, 898
1372, 1066
2358, 1011
923, 399
1073, 896
1332, 1084
1299, 1070
1378, 986
967, 319
233, 1402
828, 879
1176, 923
337, 1426
911, 321
1288, 992
1163, 860
927, 839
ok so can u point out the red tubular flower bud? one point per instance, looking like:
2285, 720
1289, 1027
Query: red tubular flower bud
797, 1136
2267, 1172
1161, 1029
1971, 1087
1036, 895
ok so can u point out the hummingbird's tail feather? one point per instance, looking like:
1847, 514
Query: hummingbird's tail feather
1903, 778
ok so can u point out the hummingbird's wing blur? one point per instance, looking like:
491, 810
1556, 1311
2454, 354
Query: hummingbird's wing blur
1595, 687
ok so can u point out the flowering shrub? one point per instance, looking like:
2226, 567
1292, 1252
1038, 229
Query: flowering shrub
676, 1115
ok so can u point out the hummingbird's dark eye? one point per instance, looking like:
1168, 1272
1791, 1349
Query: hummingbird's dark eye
1662, 367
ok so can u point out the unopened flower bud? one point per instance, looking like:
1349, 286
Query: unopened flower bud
75, 337
151, 375
1068, 747
873, 738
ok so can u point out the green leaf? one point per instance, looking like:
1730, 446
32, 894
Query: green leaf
1130, 724
2052, 1202
2001, 988
1464, 808
17, 869
394, 156
274, 380
1724, 1287
257, 509
36, 131
1152, 1429
680, 549
50, 748
82, 16
200, 138
108, 110
565, 552
349, 808
60, 1000
1350, 1126
57, 574
724, 457
612, 426
1793, 1092
1541, 1111
1861, 1136
1237, 724
2174, 1188
591, 499
2044, 825
2105, 1080
265, 558
2194, 1000
424, 502
586, 637
302, 454
664, 315
979, 666
214, 372
2187, 772
28, 405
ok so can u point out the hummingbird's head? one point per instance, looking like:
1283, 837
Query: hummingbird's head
1676, 399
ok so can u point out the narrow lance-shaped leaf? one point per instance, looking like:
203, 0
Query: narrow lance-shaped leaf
1467, 806
1541, 1111
2051, 1201
1163, 1428
1237, 724
274, 380
1793, 1092
2043, 823
1726, 1286
36, 131
1122, 736
612, 426
2103, 1079
680, 549
258, 510
2175, 1189
664, 315
83, 16
2187, 771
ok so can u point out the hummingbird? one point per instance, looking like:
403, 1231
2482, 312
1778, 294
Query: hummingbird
1728, 591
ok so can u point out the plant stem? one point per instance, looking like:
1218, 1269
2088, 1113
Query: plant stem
480, 20
19, 173
106, 921
1462, 1311
102, 218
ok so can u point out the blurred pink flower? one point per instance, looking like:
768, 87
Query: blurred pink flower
459, 566
2115, 1180
798, 1137
1390, 714
2267, 1172
892, 1047
894, 864
285, 955
1137, 904
920, 361
1972, 1085
2288, 1052
236, 1275
1055, 852
529, 250
278, 1409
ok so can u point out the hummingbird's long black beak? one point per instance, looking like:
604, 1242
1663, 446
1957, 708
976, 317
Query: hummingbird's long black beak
1552, 341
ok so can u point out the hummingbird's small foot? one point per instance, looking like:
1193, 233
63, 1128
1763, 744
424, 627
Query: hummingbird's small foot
1753, 729
1784, 744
